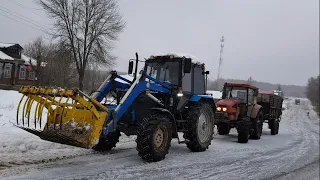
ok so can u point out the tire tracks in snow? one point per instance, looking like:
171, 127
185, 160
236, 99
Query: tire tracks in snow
293, 150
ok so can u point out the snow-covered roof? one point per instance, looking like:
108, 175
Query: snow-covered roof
33, 61
179, 55
5, 45
4, 56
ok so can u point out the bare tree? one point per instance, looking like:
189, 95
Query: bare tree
313, 92
39, 51
250, 80
89, 27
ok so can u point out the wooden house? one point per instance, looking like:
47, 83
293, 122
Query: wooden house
15, 68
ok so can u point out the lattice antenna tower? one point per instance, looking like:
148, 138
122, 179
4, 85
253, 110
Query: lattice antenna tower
220, 60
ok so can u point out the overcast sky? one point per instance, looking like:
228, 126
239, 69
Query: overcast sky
275, 41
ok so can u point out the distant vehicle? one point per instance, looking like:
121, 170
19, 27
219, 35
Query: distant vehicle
297, 101
278, 92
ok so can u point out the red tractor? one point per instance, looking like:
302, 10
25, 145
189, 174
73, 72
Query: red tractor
238, 109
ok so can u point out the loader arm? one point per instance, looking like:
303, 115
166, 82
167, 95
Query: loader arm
137, 87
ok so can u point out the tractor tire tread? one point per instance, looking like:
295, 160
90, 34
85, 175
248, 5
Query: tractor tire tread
145, 134
192, 116
108, 142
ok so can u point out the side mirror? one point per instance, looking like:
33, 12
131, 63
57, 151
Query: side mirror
130, 67
187, 65
206, 72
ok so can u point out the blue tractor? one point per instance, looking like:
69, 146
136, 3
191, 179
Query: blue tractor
167, 96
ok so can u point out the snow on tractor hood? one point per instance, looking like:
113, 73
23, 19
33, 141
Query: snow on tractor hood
227, 102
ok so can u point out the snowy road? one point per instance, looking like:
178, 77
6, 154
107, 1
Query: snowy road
293, 154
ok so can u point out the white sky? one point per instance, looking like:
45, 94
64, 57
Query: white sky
275, 41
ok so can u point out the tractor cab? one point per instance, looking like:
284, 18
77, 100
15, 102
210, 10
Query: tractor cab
237, 100
181, 73
238, 109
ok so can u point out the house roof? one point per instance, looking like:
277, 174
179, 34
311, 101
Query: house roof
5, 57
6, 45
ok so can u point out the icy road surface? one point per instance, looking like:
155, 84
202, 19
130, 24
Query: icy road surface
292, 154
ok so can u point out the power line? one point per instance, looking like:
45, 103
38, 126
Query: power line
23, 23
21, 17
25, 7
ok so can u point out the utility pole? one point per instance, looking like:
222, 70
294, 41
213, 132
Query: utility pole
220, 62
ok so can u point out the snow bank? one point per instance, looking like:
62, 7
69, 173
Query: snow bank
20, 147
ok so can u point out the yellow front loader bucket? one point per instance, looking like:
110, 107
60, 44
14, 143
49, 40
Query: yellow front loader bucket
65, 116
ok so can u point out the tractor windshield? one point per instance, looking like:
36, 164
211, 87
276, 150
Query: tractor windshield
239, 93
164, 71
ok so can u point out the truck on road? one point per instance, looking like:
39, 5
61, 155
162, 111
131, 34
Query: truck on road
272, 109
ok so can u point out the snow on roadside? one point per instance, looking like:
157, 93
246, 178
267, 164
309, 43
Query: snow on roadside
20, 147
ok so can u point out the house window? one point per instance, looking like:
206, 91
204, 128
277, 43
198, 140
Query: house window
7, 70
1, 70
22, 72
32, 75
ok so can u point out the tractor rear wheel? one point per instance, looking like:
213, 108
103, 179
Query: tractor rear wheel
256, 125
200, 124
223, 129
108, 142
154, 136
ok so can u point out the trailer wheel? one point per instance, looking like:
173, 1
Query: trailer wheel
108, 142
257, 126
223, 129
274, 126
200, 124
243, 131
154, 136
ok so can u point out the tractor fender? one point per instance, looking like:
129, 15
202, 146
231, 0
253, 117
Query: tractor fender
210, 102
165, 112
254, 110
204, 98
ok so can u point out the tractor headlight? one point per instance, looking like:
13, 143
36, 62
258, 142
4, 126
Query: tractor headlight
218, 108
180, 94
224, 109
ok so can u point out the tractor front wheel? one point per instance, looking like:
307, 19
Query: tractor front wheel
200, 124
257, 126
108, 142
243, 131
223, 129
154, 136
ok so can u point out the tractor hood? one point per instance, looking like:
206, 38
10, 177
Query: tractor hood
227, 102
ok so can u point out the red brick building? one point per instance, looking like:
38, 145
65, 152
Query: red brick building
15, 68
